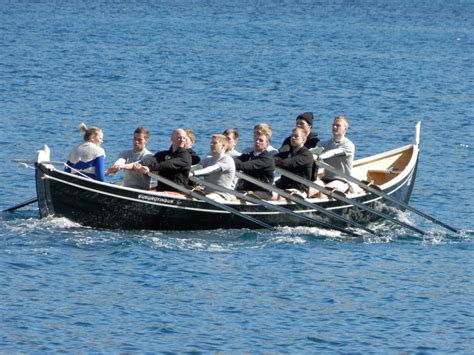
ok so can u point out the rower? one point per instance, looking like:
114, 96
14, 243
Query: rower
233, 139
259, 129
218, 169
298, 160
259, 164
130, 178
191, 139
339, 153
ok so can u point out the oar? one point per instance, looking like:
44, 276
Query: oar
45, 162
270, 206
384, 195
301, 201
346, 200
52, 162
21, 204
31, 200
209, 201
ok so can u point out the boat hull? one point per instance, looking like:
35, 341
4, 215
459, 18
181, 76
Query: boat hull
97, 204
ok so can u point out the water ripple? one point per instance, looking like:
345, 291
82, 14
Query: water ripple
209, 65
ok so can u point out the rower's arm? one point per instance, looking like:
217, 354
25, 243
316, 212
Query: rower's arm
208, 170
332, 153
115, 167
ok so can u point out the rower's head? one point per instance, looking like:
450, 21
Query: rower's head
179, 139
298, 138
305, 121
140, 138
263, 128
218, 145
191, 137
93, 134
232, 138
340, 125
261, 140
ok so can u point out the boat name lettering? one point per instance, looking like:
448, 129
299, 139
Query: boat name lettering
154, 198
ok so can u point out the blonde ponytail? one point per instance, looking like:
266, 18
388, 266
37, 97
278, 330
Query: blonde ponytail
83, 127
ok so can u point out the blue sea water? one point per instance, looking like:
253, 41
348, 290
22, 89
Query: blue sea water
217, 64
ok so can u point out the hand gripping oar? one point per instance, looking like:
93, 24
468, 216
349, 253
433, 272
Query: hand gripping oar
271, 206
21, 204
208, 200
301, 201
347, 200
384, 195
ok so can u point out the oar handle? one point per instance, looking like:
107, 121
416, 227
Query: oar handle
208, 200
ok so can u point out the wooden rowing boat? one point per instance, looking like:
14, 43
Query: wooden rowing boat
104, 205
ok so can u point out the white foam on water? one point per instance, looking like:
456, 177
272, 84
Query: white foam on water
60, 223
313, 231
217, 248
161, 243
288, 239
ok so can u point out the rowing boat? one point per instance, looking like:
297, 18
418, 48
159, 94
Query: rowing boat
106, 205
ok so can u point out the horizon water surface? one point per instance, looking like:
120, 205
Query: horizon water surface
212, 65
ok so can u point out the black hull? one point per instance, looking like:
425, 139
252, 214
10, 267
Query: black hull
95, 204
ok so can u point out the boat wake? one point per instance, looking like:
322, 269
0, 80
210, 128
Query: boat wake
62, 230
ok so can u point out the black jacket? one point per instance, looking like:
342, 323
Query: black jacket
311, 142
300, 163
174, 166
261, 167
195, 158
